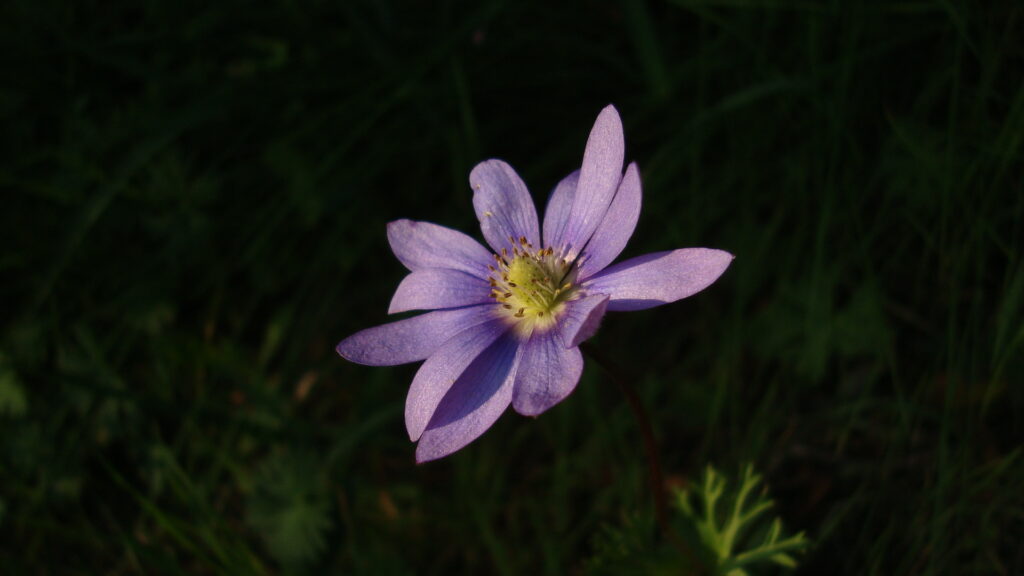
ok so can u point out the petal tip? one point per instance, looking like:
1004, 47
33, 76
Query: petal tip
420, 459
524, 406
529, 411
352, 350
610, 109
609, 117
399, 299
534, 407
394, 228
716, 263
489, 164
426, 452
399, 302
341, 350
414, 425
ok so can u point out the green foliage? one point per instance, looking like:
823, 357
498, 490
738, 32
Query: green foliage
12, 397
290, 509
731, 526
629, 547
724, 528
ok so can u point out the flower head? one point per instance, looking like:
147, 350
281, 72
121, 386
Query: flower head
504, 324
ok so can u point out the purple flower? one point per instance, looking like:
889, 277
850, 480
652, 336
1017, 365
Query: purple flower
505, 324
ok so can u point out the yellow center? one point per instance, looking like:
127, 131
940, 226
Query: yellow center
531, 286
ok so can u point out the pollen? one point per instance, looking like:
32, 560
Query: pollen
531, 285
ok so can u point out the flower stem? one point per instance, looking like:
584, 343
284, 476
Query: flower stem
657, 479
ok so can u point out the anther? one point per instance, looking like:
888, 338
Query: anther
520, 313
506, 306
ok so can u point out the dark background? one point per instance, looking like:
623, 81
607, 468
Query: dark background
194, 202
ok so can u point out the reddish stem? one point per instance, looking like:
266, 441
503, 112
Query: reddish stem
657, 479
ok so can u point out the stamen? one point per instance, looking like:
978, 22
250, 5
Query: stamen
531, 281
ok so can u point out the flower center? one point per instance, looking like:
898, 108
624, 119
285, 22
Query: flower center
532, 285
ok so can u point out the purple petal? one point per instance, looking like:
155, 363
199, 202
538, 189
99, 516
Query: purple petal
556, 214
420, 245
599, 178
547, 373
434, 288
441, 370
582, 318
659, 278
615, 230
411, 339
474, 402
503, 205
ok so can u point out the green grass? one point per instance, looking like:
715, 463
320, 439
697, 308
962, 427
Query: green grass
194, 201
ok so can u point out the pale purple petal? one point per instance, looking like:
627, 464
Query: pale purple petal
599, 178
411, 339
581, 318
420, 245
548, 372
433, 288
614, 232
556, 214
659, 278
503, 205
441, 370
474, 402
